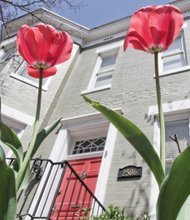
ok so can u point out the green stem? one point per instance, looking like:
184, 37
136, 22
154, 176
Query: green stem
28, 155
160, 112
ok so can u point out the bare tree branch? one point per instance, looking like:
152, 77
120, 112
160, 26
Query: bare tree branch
175, 139
10, 9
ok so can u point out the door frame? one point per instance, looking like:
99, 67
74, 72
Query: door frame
74, 127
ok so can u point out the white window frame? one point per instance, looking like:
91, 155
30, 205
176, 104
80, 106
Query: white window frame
114, 47
74, 127
16, 118
17, 76
172, 111
183, 51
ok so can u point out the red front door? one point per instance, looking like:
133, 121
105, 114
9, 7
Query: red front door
73, 199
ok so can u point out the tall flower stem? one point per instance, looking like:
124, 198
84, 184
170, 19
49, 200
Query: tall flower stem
28, 155
160, 112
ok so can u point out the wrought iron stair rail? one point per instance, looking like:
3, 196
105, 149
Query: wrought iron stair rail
56, 192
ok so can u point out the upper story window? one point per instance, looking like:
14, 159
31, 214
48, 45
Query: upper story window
174, 59
106, 64
22, 75
102, 74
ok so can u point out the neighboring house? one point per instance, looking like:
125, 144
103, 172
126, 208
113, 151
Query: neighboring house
124, 81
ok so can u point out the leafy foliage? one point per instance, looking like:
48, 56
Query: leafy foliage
7, 193
175, 188
114, 213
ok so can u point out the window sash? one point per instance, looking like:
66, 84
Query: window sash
175, 56
105, 70
103, 78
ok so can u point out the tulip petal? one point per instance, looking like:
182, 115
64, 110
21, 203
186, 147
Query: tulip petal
43, 47
46, 72
22, 44
61, 48
45, 40
135, 41
154, 27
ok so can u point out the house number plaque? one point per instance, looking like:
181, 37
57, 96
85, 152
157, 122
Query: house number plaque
129, 172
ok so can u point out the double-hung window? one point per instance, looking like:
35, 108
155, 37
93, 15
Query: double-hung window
103, 71
174, 59
106, 67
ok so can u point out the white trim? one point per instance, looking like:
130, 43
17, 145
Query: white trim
109, 47
154, 190
93, 77
16, 115
174, 71
85, 119
98, 89
106, 164
86, 155
173, 107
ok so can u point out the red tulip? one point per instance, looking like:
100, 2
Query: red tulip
43, 47
154, 28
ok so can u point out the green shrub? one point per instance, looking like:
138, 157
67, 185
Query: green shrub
114, 213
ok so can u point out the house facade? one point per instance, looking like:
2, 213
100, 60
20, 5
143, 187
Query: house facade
123, 81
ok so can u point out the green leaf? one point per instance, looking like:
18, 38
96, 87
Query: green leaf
43, 134
175, 188
40, 138
10, 139
2, 155
7, 193
26, 179
135, 136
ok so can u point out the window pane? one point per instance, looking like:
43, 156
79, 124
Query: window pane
181, 129
89, 145
176, 45
175, 56
174, 61
103, 79
108, 61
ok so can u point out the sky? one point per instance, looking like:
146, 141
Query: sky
98, 12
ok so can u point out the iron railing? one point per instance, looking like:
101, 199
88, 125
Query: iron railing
56, 192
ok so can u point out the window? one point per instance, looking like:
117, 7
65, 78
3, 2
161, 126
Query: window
174, 59
89, 145
181, 129
102, 75
22, 75
105, 70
